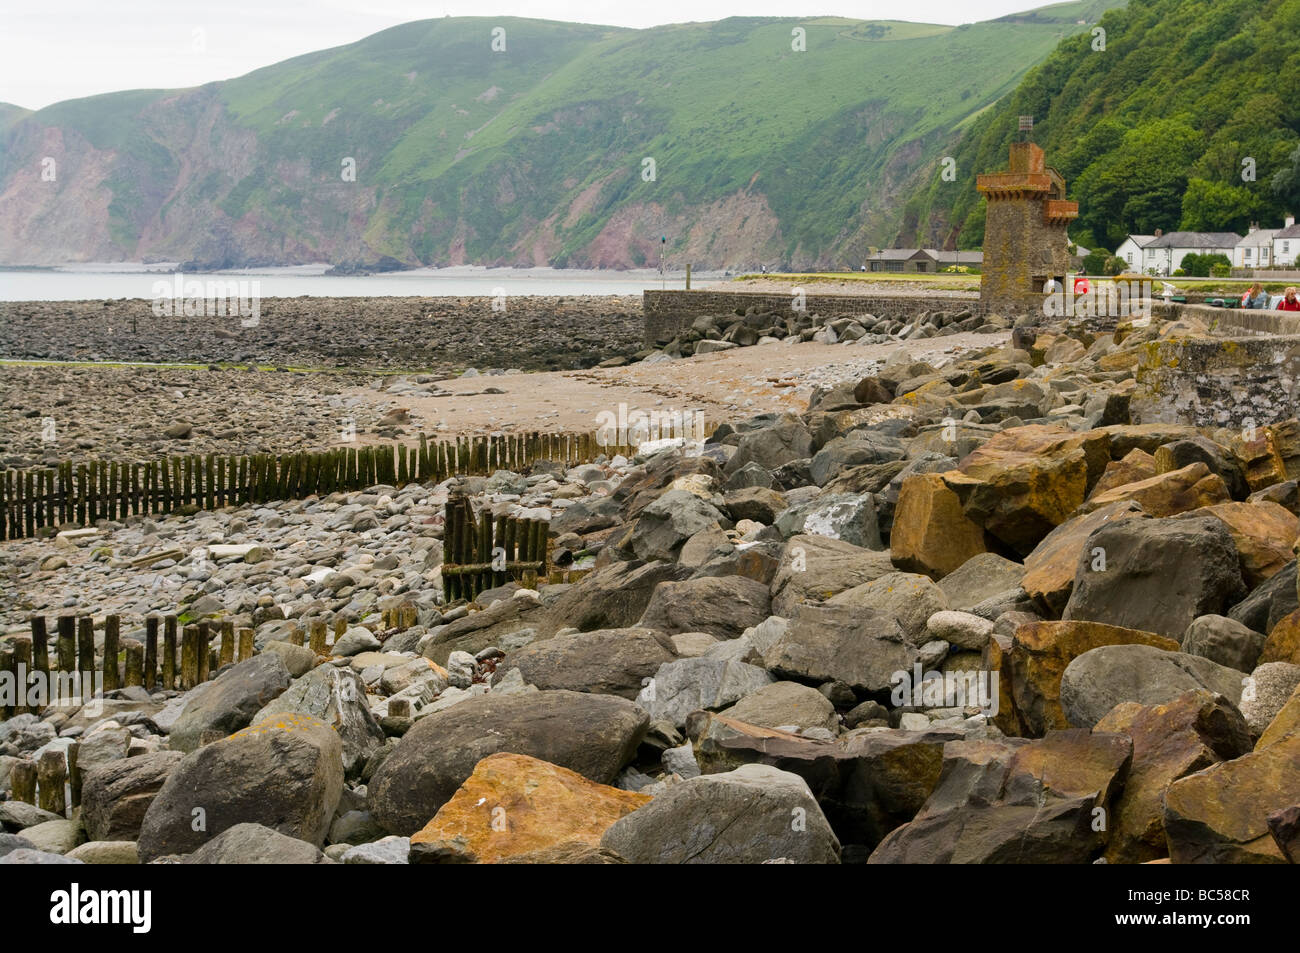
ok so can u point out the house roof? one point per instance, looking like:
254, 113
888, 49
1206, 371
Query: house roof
1258, 238
898, 254
1141, 241
1291, 231
960, 256
1196, 240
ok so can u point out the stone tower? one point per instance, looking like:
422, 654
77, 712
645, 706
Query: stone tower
1024, 232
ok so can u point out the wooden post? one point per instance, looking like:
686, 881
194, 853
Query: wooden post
22, 661
51, 774
9, 674
189, 657
169, 653
134, 662
67, 644
40, 645
22, 782
227, 642
318, 636
74, 774
296, 635
112, 639
86, 650
150, 652
205, 640
245, 644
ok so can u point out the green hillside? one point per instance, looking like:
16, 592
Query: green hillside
1152, 131
532, 155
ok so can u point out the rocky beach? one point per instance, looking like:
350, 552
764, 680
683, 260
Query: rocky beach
933, 592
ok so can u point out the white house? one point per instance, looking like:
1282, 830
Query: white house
1256, 249
1286, 243
1169, 250
1130, 251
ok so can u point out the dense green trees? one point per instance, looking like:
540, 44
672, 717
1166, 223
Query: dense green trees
1189, 118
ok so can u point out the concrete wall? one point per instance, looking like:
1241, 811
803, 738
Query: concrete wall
668, 312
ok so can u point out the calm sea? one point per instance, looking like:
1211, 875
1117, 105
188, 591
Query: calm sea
93, 282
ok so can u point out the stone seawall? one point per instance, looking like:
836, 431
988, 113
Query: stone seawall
1236, 382
668, 312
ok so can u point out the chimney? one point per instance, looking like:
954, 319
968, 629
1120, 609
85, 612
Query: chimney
1290, 220
1159, 232
1254, 227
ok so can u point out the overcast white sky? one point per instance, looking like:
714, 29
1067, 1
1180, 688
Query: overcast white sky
62, 49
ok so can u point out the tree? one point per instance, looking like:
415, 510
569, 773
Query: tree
1218, 207
1094, 263
1199, 266
1286, 182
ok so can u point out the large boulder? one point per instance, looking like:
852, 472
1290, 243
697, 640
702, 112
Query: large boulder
606, 661
1223, 640
1200, 449
981, 577
1170, 741
1051, 567
856, 449
665, 525
250, 843
850, 517
783, 704
1027, 480
814, 568
610, 597
931, 533
1102, 678
909, 597
1011, 801
1158, 574
723, 606
1283, 642
1263, 533
337, 696
1220, 815
863, 648
1166, 494
230, 702
751, 815
690, 684
595, 735
115, 797
285, 773
1265, 692
1036, 660
786, 439
513, 804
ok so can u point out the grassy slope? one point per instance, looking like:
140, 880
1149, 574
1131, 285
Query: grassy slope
460, 143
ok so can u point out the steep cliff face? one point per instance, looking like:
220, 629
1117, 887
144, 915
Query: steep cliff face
576, 145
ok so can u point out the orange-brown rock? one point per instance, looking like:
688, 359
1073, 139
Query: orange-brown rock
931, 533
1261, 459
1220, 815
1040, 652
1167, 494
1170, 741
513, 804
1025, 481
996, 659
1263, 533
1283, 642
1050, 568
1136, 465
1147, 437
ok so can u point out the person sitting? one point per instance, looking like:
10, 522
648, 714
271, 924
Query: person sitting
1255, 297
1289, 301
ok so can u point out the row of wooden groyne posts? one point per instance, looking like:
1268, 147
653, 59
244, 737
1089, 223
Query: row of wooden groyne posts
82, 493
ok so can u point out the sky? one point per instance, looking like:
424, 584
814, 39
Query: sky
64, 49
